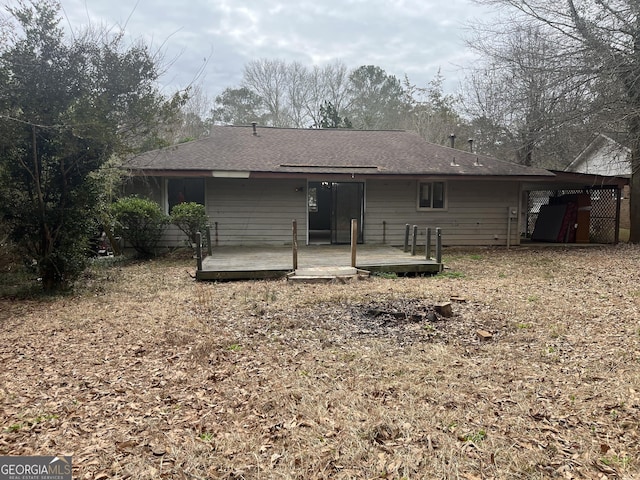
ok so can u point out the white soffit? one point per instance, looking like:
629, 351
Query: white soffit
229, 174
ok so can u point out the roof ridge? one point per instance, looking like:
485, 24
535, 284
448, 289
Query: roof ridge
271, 127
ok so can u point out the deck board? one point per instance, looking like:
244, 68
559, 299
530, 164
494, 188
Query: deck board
243, 263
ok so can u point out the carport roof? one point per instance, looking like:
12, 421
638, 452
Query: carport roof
576, 181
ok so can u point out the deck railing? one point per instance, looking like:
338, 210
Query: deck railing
411, 235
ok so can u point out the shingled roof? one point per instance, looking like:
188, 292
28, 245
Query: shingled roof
289, 151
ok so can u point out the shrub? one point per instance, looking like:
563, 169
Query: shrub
190, 217
140, 222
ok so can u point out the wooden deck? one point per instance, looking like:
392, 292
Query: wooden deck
245, 263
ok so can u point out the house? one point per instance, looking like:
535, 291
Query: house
603, 156
255, 180
607, 157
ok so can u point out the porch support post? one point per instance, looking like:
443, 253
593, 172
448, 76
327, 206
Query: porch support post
209, 249
414, 240
294, 243
427, 247
616, 235
406, 237
439, 245
354, 241
199, 251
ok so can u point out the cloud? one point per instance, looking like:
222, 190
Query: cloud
413, 37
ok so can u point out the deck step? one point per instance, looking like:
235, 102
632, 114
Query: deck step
326, 274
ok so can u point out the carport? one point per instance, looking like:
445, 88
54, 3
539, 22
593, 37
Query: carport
573, 208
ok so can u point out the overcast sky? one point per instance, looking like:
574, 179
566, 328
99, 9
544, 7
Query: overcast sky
413, 37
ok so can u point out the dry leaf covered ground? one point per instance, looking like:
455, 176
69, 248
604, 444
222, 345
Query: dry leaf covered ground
144, 373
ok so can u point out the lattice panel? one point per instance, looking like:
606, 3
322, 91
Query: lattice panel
602, 225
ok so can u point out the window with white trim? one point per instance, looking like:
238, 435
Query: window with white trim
180, 190
432, 195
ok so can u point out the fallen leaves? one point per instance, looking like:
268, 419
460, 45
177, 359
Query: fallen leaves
162, 377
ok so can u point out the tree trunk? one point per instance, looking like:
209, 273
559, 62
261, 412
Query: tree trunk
634, 201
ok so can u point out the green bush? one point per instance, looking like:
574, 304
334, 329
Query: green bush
191, 218
140, 222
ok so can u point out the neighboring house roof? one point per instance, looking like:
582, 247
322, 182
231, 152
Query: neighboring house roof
603, 156
286, 151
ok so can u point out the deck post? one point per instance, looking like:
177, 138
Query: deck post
427, 247
294, 228
199, 250
354, 241
616, 235
414, 240
209, 249
439, 245
406, 237
384, 232
216, 227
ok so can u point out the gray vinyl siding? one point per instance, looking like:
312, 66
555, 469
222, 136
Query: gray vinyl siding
260, 211
246, 211
256, 211
476, 212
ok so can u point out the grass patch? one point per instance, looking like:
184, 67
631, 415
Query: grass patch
476, 437
523, 326
386, 275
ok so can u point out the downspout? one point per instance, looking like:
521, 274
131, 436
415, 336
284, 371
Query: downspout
508, 228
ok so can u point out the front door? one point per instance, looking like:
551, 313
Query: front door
332, 206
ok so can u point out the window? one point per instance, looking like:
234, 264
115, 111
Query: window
181, 190
431, 195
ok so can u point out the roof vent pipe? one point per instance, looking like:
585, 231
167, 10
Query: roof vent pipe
452, 138
470, 144
255, 131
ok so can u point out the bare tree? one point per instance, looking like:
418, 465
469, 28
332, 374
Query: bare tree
192, 121
605, 37
292, 93
336, 78
524, 100
327, 84
268, 79
298, 95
